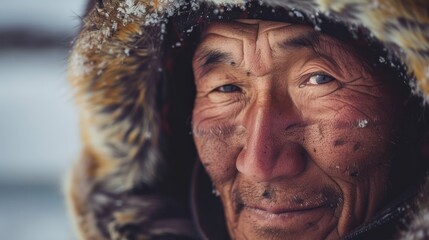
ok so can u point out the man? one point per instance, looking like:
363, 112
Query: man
303, 133
294, 131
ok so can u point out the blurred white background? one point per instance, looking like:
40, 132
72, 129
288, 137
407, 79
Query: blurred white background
39, 135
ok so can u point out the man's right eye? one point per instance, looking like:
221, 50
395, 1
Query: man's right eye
228, 88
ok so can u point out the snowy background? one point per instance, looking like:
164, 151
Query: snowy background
39, 136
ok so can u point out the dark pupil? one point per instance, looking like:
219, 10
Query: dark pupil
322, 79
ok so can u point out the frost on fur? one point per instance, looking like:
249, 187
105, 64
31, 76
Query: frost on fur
419, 227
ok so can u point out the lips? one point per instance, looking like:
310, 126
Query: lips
285, 210
285, 204
275, 214
289, 219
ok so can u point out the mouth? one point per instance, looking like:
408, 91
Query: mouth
286, 218
292, 212
282, 211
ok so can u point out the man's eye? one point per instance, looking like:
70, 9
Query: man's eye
320, 79
228, 88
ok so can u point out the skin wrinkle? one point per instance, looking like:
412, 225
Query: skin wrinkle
372, 121
245, 43
314, 41
212, 57
258, 53
257, 142
334, 64
201, 73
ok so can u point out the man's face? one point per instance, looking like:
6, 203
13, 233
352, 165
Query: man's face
294, 132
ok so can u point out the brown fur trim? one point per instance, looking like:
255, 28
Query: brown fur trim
114, 68
78, 188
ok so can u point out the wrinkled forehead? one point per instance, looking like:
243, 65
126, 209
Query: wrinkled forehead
250, 29
243, 27
277, 34
229, 41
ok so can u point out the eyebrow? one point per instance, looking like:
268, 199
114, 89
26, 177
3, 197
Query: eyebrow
309, 40
212, 57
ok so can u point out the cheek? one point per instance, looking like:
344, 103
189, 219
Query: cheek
350, 138
215, 137
349, 153
217, 157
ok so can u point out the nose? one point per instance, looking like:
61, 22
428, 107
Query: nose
270, 152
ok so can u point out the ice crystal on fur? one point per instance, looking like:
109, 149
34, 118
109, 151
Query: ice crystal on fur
80, 64
129, 9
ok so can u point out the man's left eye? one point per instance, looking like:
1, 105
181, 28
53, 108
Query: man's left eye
320, 79
228, 88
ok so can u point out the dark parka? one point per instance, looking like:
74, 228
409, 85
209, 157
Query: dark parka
130, 68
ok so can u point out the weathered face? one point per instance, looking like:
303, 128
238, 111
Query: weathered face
292, 128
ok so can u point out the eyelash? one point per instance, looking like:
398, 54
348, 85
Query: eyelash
307, 79
222, 89
324, 76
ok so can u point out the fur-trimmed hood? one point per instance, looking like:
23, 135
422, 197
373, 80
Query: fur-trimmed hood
121, 70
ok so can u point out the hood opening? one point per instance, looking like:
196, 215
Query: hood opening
183, 32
